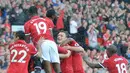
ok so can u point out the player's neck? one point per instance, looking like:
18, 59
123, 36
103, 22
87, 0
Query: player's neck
50, 18
34, 15
113, 54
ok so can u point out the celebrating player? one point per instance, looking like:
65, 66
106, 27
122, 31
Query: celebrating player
38, 27
20, 53
115, 63
72, 64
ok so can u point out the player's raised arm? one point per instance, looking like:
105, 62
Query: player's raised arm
68, 40
27, 34
76, 47
27, 38
62, 56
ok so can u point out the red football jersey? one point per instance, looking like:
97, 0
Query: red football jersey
116, 64
37, 27
20, 53
66, 64
62, 50
50, 22
76, 59
50, 26
73, 64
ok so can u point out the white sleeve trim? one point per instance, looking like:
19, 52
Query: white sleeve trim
27, 34
36, 54
102, 65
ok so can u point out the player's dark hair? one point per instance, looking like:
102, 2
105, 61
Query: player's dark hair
20, 34
66, 33
50, 13
112, 49
32, 10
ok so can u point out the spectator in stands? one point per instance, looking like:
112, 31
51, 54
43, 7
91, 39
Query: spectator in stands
92, 37
74, 26
82, 33
117, 43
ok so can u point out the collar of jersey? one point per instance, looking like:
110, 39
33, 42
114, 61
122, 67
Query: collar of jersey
35, 17
20, 41
113, 55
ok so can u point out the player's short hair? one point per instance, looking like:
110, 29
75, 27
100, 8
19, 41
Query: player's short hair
32, 10
112, 49
20, 34
51, 13
66, 33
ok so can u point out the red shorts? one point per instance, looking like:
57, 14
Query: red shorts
71, 71
79, 71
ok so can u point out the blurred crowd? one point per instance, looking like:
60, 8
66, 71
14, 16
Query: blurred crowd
94, 24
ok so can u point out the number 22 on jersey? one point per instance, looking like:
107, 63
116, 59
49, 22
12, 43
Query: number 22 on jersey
40, 26
15, 53
121, 68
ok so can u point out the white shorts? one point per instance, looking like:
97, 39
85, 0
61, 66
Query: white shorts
50, 51
42, 71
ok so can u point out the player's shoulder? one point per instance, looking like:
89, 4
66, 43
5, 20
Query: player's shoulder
71, 39
30, 45
47, 19
13, 44
120, 58
10, 45
27, 23
37, 20
17, 42
107, 60
124, 58
73, 42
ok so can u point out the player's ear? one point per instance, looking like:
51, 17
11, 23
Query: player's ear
17, 38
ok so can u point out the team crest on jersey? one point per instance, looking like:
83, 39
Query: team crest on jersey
76, 45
